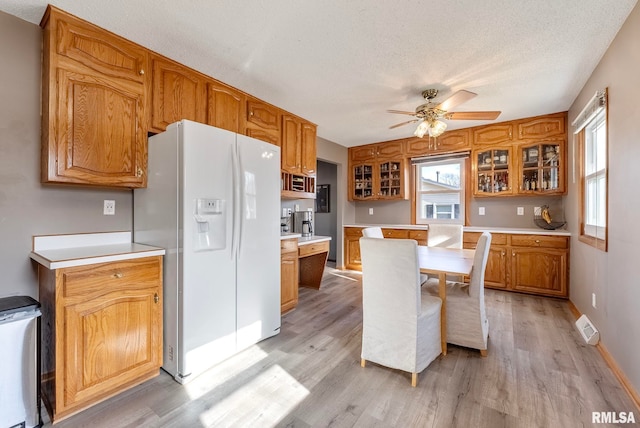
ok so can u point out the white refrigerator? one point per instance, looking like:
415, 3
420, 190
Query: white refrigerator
212, 201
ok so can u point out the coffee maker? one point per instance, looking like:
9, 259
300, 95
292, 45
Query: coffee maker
303, 223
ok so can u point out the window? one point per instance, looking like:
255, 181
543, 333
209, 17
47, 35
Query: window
592, 147
440, 191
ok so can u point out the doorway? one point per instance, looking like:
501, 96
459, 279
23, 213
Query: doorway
326, 212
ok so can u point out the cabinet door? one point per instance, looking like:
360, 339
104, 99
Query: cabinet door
452, 141
260, 134
362, 153
309, 157
539, 271
543, 127
226, 107
495, 275
99, 50
288, 282
100, 137
178, 93
110, 341
396, 233
352, 251
492, 172
390, 179
362, 179
291, 147
542, 168
392, 149
499, 133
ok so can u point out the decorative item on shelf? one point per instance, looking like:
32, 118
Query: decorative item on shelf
544, 220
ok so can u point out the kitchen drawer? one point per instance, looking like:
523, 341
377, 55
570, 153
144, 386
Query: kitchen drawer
396, 233
470, 239
353, 231
544, 241
419, 235
288, 245
98, 279
314, 248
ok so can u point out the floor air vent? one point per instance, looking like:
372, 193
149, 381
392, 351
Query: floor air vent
587, 330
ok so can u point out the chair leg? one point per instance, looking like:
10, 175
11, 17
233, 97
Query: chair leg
414, 379
362, 362
483, 352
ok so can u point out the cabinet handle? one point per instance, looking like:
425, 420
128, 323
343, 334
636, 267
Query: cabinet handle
139, 172
141, 72
513, 253
503, 253
251, 113
510, 136
117, 275
156, 299
537, 241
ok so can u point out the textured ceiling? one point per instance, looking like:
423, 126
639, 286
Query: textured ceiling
342, 64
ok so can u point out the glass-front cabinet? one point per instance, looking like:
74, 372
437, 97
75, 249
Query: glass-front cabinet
378, 180
541, 169
363, 181
492, 172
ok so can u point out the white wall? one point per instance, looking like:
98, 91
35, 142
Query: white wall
613, 275
27, 207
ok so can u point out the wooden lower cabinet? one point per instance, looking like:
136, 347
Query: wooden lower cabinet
288, 274
528, 263
101, 331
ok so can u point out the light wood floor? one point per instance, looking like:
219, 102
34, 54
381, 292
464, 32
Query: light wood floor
538, 374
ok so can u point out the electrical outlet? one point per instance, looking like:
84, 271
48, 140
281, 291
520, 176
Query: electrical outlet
370, 211
288, 211
520, 211
593, 300
109, 207
536, 211
481, 211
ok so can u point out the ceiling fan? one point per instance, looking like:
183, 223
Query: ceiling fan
429, 114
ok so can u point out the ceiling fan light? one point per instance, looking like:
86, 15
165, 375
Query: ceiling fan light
436, 128
423, 128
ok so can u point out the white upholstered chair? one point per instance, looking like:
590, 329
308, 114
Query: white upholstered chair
467, 323
372, 232
400, 324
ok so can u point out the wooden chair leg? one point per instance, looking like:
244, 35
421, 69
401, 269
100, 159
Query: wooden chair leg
362, 362
483, 352
414, 379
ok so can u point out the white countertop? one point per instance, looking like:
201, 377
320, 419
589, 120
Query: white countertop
60, 251
511, 230
289, 235
304, 240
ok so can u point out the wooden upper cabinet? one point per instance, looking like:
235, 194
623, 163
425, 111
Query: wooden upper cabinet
499, 133
298, 146
389, 149
552, 126
308, 143
291, 147
226, 107
99, 50
94, 123
450, 141
362, 153
263, 121
178, 93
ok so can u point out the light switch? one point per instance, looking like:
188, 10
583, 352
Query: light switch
520, 211
370, 211
481, 211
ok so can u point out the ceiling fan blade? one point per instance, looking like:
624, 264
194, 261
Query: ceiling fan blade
456, 99
403, 123
411, 113
472, 115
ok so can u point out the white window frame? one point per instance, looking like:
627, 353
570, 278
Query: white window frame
461, 161
593, 146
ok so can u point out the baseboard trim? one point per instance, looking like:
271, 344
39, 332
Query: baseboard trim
611, 362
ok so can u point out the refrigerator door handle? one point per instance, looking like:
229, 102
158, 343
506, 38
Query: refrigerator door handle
235, 201
241, 203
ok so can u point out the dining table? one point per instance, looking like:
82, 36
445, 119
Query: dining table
443, 261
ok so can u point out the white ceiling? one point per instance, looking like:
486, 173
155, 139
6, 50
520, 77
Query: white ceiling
342, 64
